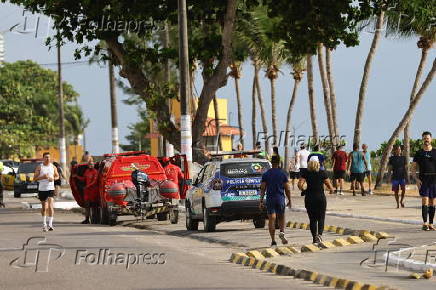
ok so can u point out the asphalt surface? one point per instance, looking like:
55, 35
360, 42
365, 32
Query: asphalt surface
198, 260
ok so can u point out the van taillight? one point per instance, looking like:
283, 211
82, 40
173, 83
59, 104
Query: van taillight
217, 184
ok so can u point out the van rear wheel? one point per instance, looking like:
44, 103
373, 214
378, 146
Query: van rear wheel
259, 222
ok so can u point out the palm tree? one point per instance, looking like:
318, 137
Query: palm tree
298, 66
365, 77
235, 72
273, 56
326, 90
329, 68
404, 121
253, 112
261, 103
312, 103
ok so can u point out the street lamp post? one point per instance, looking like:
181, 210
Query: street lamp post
185, 118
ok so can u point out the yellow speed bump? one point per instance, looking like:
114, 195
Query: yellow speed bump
307, 275
340, 231
368, 287
342, 283
284, 251
304, 226
270, 253
326, 245
289, 224
235, 257
355, 240
332, 229
309, 248
294, 250
296, 225
353, 285
340, 243
330, 281
368, 238
382, 235
320, 279
255, 254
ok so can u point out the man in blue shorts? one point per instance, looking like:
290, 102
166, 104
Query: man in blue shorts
425, 162
397, 172
275, 183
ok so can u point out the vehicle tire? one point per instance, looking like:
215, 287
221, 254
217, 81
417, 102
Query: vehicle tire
162, 216
150, 217
174, 217
191, 224
113, 221
209, 222
259, 222
95, 215
104, 215
17, 194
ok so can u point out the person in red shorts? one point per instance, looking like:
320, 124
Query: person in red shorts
339, 160
91, 188
173, 173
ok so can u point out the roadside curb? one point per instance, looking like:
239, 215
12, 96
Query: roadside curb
315, 277
257, 258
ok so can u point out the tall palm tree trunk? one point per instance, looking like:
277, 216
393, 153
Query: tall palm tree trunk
217, 124
297, 80
329, 66
240, 116
312, 102
253, 112
261, 104
365, 78
406, 119
273, 110
326, 90
424, 54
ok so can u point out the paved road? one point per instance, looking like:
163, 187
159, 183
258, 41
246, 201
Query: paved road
189, 264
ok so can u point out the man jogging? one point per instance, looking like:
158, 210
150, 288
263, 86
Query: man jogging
367, 155
425, 162
397, 172
1, 185
46, 174
275, 183
319, 154
339, 160
357, 166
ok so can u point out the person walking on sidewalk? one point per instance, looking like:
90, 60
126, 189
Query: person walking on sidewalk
357, 166
276, 184
425, 162
46, 174
58, 182
320, 155
339, 160
397, 173
302, 156
367, 155
315, 200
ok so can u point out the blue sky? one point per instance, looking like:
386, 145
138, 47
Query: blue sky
388, 92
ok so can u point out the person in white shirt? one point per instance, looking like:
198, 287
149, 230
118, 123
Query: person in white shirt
46, 174
302, 156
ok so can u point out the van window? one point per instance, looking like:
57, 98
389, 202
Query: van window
28, 167
244, 169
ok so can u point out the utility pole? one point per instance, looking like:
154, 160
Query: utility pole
169, 148
62, 145
185, 121
114, 114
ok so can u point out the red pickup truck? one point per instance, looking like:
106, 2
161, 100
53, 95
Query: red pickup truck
116, 189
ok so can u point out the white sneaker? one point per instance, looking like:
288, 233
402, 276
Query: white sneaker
341, 193
282, 237
370, 192
44, 228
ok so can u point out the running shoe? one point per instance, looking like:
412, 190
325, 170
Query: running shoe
370, 192
85, 222
316, 240
44, 228
354, 193
425, 228
431, 228
273, 243
341, 193
283, 238
50, 228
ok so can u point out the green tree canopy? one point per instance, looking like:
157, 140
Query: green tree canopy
29, 106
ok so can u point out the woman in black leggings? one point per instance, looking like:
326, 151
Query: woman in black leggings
315, 200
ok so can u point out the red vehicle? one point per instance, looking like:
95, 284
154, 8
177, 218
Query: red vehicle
118, 193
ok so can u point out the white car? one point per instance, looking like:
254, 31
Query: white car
225, 191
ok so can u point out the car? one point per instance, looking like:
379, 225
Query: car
8, 174
226, 190
24, 177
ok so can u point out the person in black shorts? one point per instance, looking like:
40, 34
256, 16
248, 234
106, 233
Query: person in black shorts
397, 173
275, 184
58, 182
425, 162
315, 200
